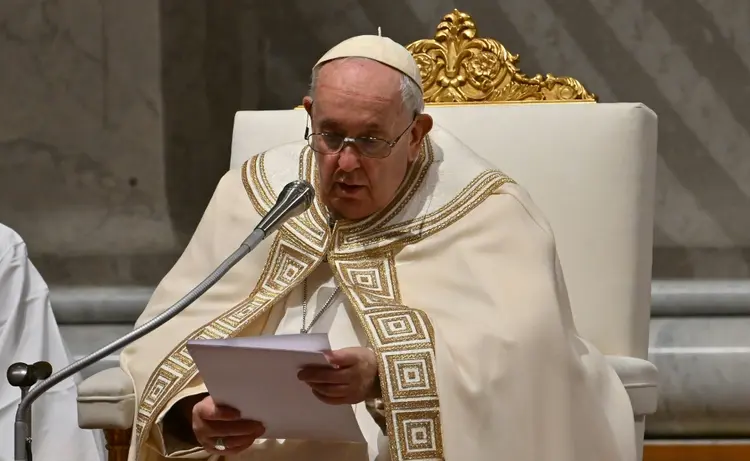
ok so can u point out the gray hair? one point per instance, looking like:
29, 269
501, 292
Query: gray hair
411, 95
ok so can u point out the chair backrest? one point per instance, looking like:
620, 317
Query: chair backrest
590, 167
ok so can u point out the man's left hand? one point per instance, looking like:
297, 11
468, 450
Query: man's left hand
351, 379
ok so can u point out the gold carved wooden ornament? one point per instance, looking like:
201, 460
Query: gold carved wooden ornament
457, 66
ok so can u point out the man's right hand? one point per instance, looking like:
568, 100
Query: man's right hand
212, 422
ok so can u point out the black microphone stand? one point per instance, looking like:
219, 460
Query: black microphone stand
295, 198
24, 376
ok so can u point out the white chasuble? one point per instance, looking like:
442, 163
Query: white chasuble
456, 286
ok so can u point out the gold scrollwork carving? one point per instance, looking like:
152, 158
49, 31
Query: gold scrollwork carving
458, 66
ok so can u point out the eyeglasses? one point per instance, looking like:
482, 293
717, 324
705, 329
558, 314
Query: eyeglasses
332, 144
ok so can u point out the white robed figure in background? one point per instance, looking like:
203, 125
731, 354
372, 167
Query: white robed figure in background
434, 275
29, 333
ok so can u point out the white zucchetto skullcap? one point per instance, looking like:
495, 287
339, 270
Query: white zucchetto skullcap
380, 49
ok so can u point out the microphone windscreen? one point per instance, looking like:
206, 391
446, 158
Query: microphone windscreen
295, 198
18, 375
42, 370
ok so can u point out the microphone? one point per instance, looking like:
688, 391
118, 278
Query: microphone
24, 375
42, 370
294, 199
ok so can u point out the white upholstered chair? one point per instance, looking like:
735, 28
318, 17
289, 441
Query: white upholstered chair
589, 166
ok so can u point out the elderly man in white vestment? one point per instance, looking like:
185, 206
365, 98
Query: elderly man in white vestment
29, 333
433, 273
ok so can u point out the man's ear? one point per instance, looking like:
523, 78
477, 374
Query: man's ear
307, 103
422, 126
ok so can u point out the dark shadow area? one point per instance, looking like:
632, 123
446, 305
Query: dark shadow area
202, 89
104, 270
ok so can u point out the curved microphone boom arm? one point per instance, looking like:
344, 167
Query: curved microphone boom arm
294, 199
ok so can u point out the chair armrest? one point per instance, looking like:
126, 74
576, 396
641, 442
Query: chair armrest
640, 378
106, 400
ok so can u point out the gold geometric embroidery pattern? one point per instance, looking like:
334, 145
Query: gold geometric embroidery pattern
387, 237
310, 227
292, 257
258, 189
403, 341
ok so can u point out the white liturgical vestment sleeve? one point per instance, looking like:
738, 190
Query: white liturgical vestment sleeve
29, 333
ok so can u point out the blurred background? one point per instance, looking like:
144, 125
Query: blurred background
116, 120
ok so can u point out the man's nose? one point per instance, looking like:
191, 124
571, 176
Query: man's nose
349, 158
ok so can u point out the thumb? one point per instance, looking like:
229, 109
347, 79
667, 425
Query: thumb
344, 357
209, 410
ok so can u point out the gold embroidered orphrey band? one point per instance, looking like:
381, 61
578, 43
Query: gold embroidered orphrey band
363, 264
403, 341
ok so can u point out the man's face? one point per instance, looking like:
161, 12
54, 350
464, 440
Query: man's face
362, 98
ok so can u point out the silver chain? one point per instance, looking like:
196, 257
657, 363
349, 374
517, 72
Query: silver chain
315, 318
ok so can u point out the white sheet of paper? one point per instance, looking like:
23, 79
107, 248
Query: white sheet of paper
258, 376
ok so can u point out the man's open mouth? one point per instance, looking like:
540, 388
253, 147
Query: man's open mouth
349, 189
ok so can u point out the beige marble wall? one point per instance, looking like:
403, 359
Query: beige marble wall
116, 116
115, 126
81, 168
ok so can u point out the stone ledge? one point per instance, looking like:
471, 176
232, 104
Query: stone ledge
704, 371
669, 298
99, 305
683, 298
